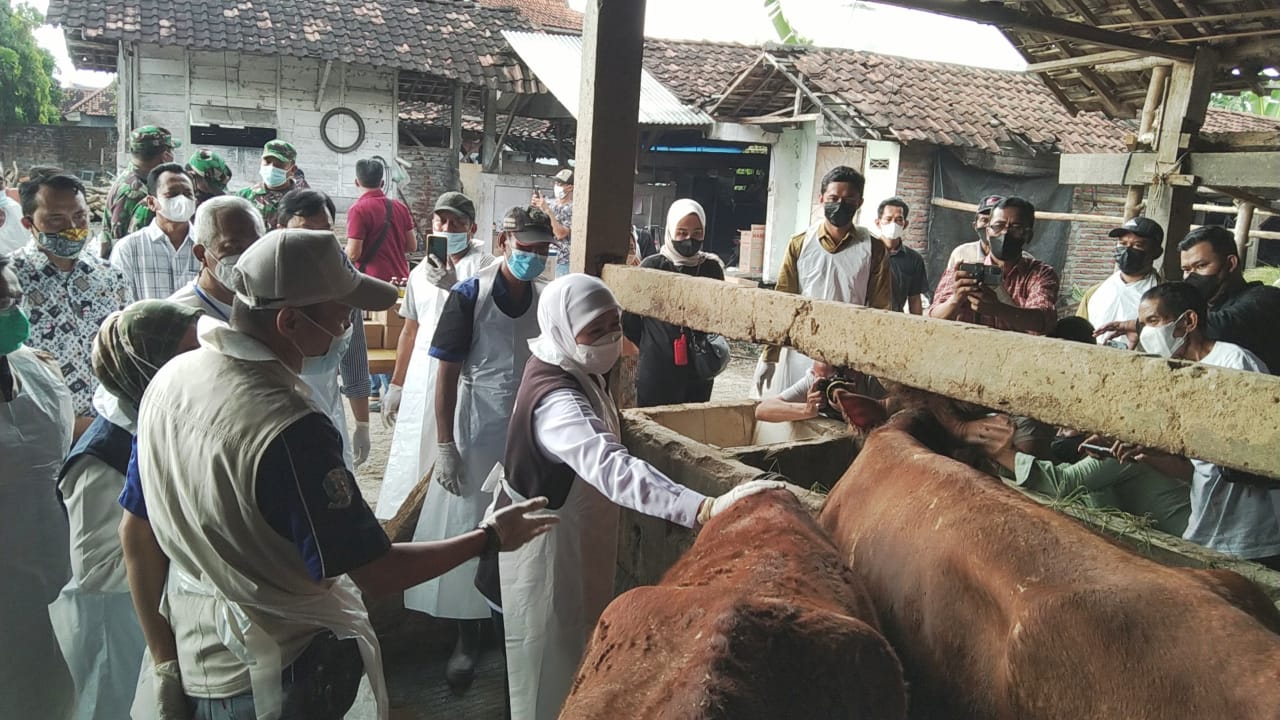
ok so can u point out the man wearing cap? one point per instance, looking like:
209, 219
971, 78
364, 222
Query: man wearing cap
481, 343
210, 174
149, 146
413, 448
1138, 243
972, 252
242, 480
159, 258
278, 159
379, 229
561, 214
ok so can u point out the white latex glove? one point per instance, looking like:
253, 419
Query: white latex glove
764, 375
360, 443
171, 699
442, 277
391, 405
714, 506
449, 468
516, 525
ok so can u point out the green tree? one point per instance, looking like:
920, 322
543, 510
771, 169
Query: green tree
28, 93
786, 33
1265, 105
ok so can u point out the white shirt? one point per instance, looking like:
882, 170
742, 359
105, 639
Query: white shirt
151, 263
12, 234
1228, 517
192, 296
566, 427
1116, 299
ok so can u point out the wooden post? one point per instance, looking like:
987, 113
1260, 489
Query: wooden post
1244, 220
1182, 115
608, 129
455, 119
488, 143
1146, 121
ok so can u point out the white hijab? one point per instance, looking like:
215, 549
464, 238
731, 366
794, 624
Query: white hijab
566, 306
678, 211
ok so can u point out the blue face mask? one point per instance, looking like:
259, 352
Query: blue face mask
272, 176
458, 242
526, 265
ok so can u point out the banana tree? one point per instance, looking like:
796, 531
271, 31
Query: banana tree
786, 33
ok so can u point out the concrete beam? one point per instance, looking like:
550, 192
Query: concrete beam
1194, 410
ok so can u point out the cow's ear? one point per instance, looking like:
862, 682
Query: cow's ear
861, 412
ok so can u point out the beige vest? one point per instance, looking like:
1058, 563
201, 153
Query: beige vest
205, 421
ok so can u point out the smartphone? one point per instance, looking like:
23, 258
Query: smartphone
1097, 449
438, 247
989, 275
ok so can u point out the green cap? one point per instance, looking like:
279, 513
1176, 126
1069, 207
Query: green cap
210, 166
458, 204
280, 150
150, 137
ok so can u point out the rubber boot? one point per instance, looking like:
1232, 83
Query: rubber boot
460, 671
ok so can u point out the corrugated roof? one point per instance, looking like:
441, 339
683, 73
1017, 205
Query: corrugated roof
557, 61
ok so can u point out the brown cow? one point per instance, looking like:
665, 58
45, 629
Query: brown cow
760, 619
1001, 608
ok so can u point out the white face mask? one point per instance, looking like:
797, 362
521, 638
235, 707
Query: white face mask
598, 357
225, 271
1159, 339
326, 364
558, 190
178, 208
891, 231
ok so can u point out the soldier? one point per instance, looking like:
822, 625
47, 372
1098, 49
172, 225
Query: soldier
127, 213
210, 174
278, 159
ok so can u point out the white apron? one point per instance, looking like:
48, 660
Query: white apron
102, 643
486, 397
35, 435
842, 277
553, 592
1116, 300
414, 446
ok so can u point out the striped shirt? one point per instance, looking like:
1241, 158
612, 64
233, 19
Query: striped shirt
154, 268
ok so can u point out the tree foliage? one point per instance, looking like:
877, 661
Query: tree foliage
28, 93
1265, 105
786, 33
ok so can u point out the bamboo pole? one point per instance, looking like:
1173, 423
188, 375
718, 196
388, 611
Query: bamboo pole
1040, 214
1146, 121
1244, 219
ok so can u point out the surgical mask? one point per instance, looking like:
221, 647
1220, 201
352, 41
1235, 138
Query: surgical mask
326, 364
1159, 339
1005, 248
526, 265
687, 248
272, 176
65, 244
178, 208
458, 242
15, 328
601, 355
892, 231
1131, 261
225, 271
1206, 285
558, 191
838, 213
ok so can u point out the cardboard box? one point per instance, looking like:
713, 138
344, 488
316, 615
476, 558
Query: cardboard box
391, 337
374, 333
757, 250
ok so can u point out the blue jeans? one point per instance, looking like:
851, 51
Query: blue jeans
378, 383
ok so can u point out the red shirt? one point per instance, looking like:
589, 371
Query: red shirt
1030, 283
365, 219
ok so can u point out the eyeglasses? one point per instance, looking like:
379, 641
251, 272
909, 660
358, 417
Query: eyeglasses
1003, 226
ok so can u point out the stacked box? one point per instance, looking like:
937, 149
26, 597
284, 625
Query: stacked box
374, 333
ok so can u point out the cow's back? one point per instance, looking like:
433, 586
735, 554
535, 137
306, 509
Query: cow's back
999, 607
760, 619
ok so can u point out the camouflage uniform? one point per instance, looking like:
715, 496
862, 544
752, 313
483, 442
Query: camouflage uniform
209, 166
126, 212
266, 200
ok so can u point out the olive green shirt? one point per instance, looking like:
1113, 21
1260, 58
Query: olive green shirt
1134, 487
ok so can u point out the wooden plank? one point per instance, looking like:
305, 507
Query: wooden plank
1226, 141
1105, 168
1137, 397
1109, 56
608, 132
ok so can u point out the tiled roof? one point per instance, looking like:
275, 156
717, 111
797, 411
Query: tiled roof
453, 39
697, 71
438, 115
544, 14
90, 101
1220, 121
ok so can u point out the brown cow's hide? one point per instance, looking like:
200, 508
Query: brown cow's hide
1001, 608
760, 619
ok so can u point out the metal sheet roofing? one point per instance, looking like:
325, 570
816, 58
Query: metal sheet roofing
557, 61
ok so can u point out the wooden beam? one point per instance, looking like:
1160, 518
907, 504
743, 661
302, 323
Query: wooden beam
1237, 169
324, 81
1135, 65
1135, 397
1244, 219
1106, 168
608, 130
1166, 22
455, 118
1259, 202
488, 140
733, 86
1109, 56
1221, 170
1007, 17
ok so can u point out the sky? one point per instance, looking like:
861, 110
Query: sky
833, 23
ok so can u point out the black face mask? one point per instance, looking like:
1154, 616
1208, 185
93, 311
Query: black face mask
1206, 285
687, 248
1005, 248
838, 213
1131, 261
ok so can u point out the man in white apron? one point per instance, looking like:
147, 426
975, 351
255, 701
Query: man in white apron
35, 433
1139, 242
242, 479
409, 404
832, 260
481, 343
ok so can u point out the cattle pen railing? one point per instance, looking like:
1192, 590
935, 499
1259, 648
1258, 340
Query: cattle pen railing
1227, 417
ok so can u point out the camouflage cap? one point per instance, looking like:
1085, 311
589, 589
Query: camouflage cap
280, 150
210, 166
150, 137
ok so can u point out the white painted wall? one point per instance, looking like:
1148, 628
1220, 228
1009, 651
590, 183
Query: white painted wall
791, 192
171, 80
882, 183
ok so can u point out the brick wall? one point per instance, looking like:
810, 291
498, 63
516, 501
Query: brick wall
1089, 249
915, 186
74, 148
434, 171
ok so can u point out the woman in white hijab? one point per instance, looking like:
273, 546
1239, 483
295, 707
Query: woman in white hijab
666, 374
564, 443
